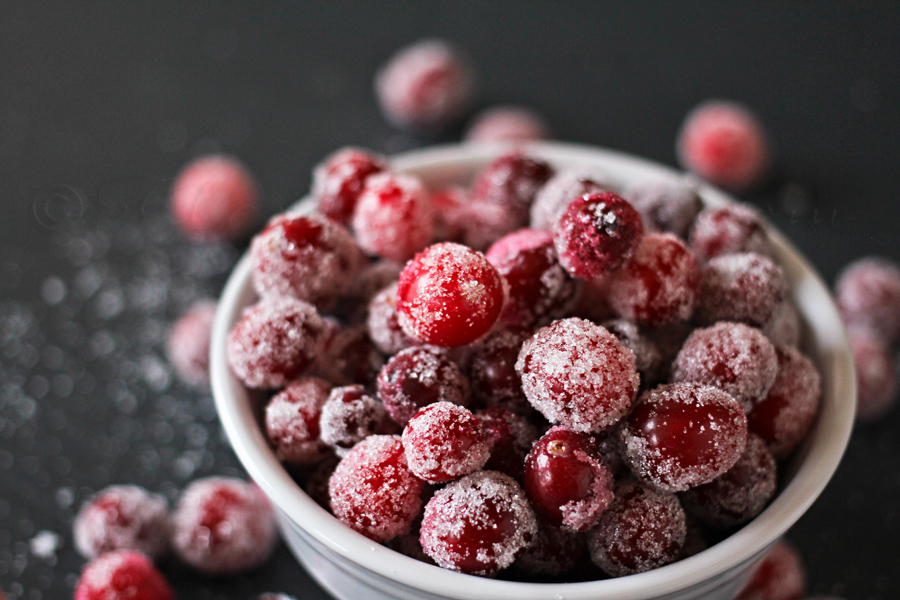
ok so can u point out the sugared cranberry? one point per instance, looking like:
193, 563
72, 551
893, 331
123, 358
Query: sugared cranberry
188, 343
658, 286
539, 288
416, 377
647, 356
339, 179
562, 189
317, 482
731, 356
727, 229
665, 206
784, 327
393, 216
724, 143
214, 197
449, 208
593, 301
292, 421
578, 374
492, 370
553, 552
682, 435
876, 377
373, 491
597, 234
740, 493
444, 441
566, 481
779, 576
449, 295
383, 324
424, 85
274, 341
868, 294
122, 575
223, 526
123, 517
644, 528
784, 416
509, 438
349, 415
479, 524
743, 287
348, 356
512, 180
507, 124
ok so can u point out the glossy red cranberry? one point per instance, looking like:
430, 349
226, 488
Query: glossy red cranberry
123, 517
743, 287
444, 441
566, 481
554, 552
597, 234
339, 180
727, 229
122, 575
187, 346
509, 437
507, 124
383, 324
348, 416
393, 217
416, 377
868, 294
665, 206
449, 295
681, 435
780, 576
562, 189
492, 370
292, 421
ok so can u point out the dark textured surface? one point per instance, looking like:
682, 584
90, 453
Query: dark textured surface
101, 103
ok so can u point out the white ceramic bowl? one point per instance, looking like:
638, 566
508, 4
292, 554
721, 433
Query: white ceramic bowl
351, 567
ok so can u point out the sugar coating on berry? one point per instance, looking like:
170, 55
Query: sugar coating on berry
449, 208
274, 341
787, 412
223, 526
658, 286
339, 179
292, 421
187, 346
539, 287
444, 441
578, 374
123, 517
740, 493
122, 575
744, 287
348, 356
213, 198
553, 552
383, 324
552, 200
784, 327
876, 378
373, 491
665, 206
868, 294
507, 124
726, 229
478, 524
731, 356
512, 180
593, 301
393, 217
492, 370
449, 295
724, 143
509, 437
597, 234
416, 377
647, 357
304, 256
348, 416
644, 528
779, 576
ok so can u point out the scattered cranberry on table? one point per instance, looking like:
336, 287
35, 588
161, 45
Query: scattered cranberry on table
123, 517
187, 346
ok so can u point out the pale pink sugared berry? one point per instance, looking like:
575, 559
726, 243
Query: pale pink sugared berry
562, 189
665, 206
122, 575
744, 287
123, 517
339, 180
868, 294
507, 124
876, 376
727, 229
444, 441
779, 576
188, 343
292, 421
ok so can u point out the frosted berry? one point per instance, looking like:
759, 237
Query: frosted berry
727, 229
644, 528
188, 343
731, 356
743, 287
425, 85
123, 517
512, 180
740, 493
274, 341
479, 524
593, 301
444, 441
122, 575
416, 377
578, 374
292, 421
507, 124
383, 324
784, 327
223, 526
348, 356
567, 482
509, 438
552, 200
648, 359
449, 295
393, 217
492, 370
724, 143
373, 491
876, 378
868, 294
339, 179
787, 412
779, 576
553, 552
681, 435
348, 416
665, 207
540, 289
317, 482
658, 286
214, 198
597, 234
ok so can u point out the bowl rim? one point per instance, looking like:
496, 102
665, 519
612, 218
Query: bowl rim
820, 455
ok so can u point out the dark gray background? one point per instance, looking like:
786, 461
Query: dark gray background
102, 103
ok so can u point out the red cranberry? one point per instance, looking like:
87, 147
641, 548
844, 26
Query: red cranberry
728, 229
562, 189
123, 517
682, 435
509, 438
512, 180
223, 526
876, 378
744, 287
449, 295
383, 324
188, 343
122, 575
868, 294
348, 356
339, 179
578, 374
593, 301
349, 415
553, 552
493, 370
779, 576
665, 207
416, 377
444, 441
647, 356
449, 206
597, 234
784, 327
658, 286
292, 421
724, 143
214, 197
373, 491
317, 483
479, 524
644, 528
566, 482
507, 124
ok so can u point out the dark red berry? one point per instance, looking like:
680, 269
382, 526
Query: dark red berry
339, 179
727, 229
562, 189
648, 358
492, 370
512, 180
348, 356
665, 207
509, 437
416, 377
348, 416
743, 287
554, 551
